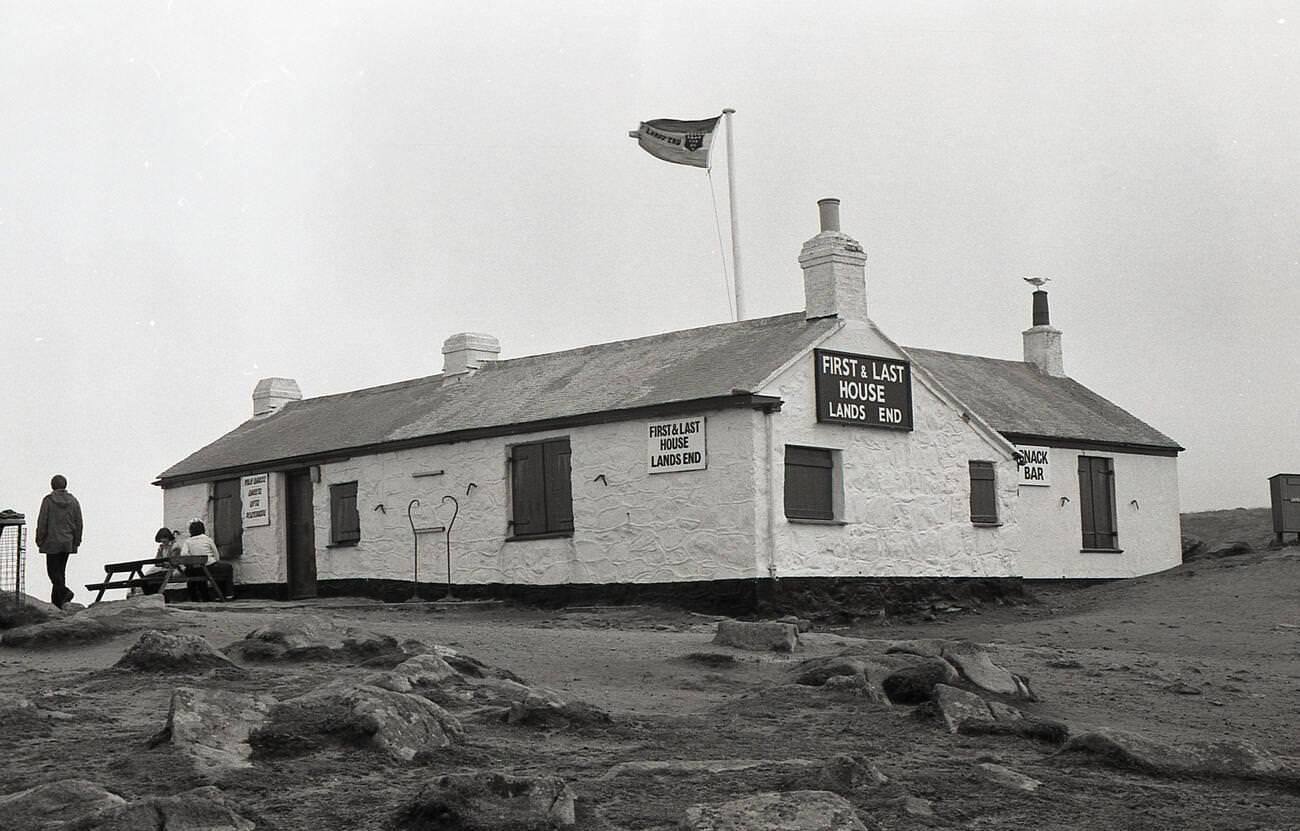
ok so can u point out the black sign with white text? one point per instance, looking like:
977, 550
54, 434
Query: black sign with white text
863, 389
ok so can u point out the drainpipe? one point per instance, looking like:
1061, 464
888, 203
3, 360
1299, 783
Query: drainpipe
771, 494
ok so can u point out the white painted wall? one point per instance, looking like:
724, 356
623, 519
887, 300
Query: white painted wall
906, 494
1149, 534
631, 527
264, 546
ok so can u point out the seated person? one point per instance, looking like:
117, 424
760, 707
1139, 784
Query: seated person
167, 546
199, 544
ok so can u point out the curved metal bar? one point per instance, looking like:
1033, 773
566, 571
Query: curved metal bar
415, 553
455, 513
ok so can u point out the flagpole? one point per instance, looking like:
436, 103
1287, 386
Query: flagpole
735, 226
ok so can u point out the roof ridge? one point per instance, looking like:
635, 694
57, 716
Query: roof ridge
645, 338
488, 365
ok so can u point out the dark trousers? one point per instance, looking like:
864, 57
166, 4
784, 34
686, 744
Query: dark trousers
56, 566
222, 572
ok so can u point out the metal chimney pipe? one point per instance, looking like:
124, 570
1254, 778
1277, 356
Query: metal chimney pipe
829, 213
1041, 316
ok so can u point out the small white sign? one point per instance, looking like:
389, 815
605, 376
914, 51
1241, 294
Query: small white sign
676, 445
1036, 466
255, 495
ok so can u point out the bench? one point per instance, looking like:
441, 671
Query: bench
135, 577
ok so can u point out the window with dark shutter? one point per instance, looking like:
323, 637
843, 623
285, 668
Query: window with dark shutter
1097, 503
983, 494
542, 496
345, 522
809, 483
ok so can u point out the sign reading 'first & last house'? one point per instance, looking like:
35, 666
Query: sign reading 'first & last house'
864, 390
680, 444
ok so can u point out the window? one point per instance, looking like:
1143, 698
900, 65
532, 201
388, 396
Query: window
345, 523
1097, 503
541, 495
809, 483
983, 494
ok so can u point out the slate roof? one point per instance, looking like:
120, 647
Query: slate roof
1016, 398
710, 362
688, 365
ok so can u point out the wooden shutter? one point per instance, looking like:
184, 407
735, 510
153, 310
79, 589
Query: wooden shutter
559, 490
227, 519
983, 493
345, 522
808, 482
1097, 502
528, 491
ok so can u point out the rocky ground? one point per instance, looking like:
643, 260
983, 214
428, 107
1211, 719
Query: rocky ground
1164, 702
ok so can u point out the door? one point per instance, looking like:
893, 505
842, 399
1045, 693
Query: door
300, 521
228, 519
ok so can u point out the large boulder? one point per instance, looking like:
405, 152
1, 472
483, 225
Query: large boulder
758, 636
957, 706
200, 809
1006, 777
856, 674
211, 727
310, 638
172, 652
99, 621
541, 707
977, 667
56, 805
24, 610
357, 715
915, 684
471, 667
491, 801
789, 811
973, 662
1221, 758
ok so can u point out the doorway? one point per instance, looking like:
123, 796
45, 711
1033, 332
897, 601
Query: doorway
300, 522
228, 519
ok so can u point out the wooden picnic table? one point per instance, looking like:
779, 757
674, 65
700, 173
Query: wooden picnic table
135, 578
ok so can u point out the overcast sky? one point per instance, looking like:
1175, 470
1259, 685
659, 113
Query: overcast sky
196, 195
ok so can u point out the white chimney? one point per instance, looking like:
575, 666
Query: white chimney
834, 270
271, 394
464, 353
1043, 340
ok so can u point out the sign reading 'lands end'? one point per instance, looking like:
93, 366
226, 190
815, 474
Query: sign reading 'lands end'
680, 444
863, 389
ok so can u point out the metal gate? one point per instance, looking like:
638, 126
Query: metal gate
13, 555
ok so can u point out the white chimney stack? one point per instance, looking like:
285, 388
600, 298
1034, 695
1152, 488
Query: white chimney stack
464, 353
271, 394
834, 270
1043, 340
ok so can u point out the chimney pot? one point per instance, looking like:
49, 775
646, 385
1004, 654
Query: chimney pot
829, 214
834, 270
1042, 341
272, 394
464, 353
1041, 315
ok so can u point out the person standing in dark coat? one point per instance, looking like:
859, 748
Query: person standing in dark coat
58, 535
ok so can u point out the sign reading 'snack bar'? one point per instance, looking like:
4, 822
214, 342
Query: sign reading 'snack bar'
863, 390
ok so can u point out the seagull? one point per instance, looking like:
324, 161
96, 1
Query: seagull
1036, 281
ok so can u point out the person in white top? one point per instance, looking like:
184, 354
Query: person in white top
199, 544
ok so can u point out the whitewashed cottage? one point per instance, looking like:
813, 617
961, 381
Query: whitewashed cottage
807, 446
